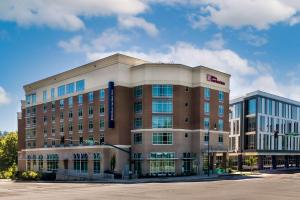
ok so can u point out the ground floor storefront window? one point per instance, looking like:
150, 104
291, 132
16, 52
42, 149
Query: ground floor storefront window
162, 163
97, 163
52, 162
80, 162
137, 163
41, 163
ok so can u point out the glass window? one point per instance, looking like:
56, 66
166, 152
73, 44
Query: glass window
70, 127
221, 110
102, 124
80, 126
206, 137
52, 93
206, 107
80, 113
206, 123
70, 114
138, 107
162, 121
44, 96
207, 93
33, 96
137, 138
220, 138
61, 90
91, 110
138, 91
70, 88
221, 124
102, 94
28, 99
138, 123
61, 103
91, 125
80, 99
97, 163
162, 106
80, 86
252, 106
70, 101
221, 96
91, 97
162, 91
102, 110
162, 138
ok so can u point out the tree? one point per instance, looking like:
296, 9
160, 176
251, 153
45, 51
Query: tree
113, 163
251, 161
8, 150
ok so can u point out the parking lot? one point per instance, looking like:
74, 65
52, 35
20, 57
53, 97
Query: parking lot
276, 186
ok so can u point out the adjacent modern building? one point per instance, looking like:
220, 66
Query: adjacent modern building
265, 126
121, 113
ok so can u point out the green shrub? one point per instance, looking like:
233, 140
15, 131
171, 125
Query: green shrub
30, 175
10, 173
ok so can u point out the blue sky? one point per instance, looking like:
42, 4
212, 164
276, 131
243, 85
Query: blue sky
255, 41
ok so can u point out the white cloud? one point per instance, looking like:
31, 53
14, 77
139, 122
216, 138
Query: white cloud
253, 39
4, 98
65, 14
107, 40
129, 22
237, 14
217, 42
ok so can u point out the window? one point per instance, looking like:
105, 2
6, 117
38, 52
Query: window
101, 109
41, 162
52, 93
70, 101
162, 121
44, 96
91, 125
206, 123
221, 111
162, 163
61, 103
138, 107
162, 138
61, 91
162, 91
207, 93
221, 124
80, 86
97, 163
53, 117
91, 97
52, 162
80, 99
80, 126
28, 99
220, 138
45, 119
80, 114
33, 96
70, 88
206, 107
80, 162
61, 128
162, 106
206, 137
53, 105
70, 114
138, 123
138, 92
91, 110
252, 106
70, 127
137, 138
61, 115
45, 107
221, 96
102, 94
101, 124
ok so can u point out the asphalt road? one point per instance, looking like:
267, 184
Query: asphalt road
275, 186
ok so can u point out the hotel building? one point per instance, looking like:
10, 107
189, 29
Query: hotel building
120, 113
265, 126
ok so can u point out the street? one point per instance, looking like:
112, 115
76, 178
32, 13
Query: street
275, 186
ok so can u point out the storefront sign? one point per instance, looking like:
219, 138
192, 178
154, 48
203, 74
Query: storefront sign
214, 79
111, 104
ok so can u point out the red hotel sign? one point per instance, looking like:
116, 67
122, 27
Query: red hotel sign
214, 79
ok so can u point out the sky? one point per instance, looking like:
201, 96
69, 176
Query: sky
256, 41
